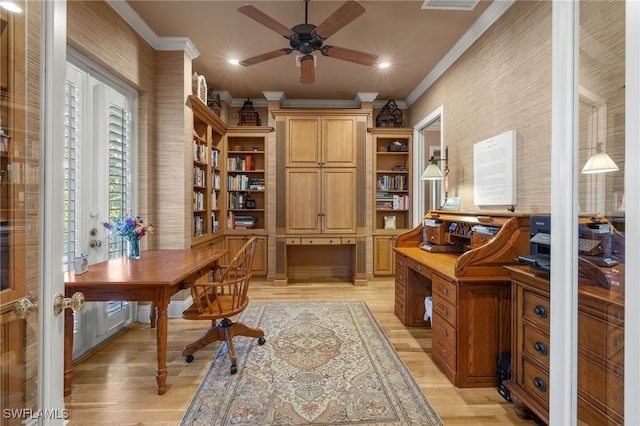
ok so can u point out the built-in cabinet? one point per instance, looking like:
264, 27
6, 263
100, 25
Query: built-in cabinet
321, 193
321, 175
392, 174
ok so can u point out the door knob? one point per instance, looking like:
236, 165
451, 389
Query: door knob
75, 302
24, 307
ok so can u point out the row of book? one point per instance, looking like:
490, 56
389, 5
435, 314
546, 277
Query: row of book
238, 183
240, 221
198, 201
198, 225
391, 183
386, 201
199, 176
237, 200
199, 151
241, 163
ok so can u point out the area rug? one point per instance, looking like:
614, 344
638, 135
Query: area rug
323, 363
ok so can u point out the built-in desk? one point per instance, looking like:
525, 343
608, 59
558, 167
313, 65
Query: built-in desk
470, 289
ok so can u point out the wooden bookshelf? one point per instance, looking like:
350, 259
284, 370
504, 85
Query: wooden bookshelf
208, 213
392, 192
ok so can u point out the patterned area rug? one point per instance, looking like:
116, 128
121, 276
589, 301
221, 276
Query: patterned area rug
323, 363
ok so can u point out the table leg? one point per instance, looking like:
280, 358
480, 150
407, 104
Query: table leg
153, 314
161, 341
68, 351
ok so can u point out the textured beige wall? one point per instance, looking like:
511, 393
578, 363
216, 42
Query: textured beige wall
163, 81
502, 82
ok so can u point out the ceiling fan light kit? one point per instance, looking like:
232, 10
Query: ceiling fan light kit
307, 38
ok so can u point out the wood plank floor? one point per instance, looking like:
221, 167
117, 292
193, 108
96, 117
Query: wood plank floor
116, 385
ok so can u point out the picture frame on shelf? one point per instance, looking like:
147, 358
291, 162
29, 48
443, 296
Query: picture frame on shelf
389, 222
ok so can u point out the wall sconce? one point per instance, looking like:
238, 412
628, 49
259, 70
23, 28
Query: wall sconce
599, 162
433, 172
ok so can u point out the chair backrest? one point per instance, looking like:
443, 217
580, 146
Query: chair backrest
226, 294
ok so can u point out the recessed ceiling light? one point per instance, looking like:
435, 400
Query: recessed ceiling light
11, 6
234, 61
384, 65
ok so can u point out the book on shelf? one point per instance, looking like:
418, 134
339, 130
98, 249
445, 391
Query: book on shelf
214, 157
240, 221
198, 226
199, 151
386, 201
238, 183
241, 163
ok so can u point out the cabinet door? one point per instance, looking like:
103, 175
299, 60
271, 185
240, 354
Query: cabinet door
303, 146
339, 147
303, 201
259, 266
383, 258
339, 201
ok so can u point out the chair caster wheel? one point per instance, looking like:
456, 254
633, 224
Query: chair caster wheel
234, 369
261, 341
188, 359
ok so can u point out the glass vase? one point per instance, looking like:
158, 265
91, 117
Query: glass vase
133, 249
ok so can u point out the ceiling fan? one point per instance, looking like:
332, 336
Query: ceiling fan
307, 38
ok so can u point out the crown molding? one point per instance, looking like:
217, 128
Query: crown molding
158, 43
491, 15
478, 28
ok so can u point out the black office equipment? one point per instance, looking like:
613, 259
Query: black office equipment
504, 373
540, 244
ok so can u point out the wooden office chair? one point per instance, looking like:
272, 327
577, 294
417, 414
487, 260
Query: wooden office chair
221, 298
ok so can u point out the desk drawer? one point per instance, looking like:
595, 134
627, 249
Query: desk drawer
435, 234
321, 241
536, 345
536, 309
601, 385
444, 340
536, 381
293, 241
446, 310
401, 263
478, 240
419, 268
444, 289
347, 240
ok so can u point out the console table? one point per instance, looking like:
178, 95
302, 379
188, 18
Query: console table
471, 296
155, 277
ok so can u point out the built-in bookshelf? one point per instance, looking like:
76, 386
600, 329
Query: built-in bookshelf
392, 192
246, 193
207, 195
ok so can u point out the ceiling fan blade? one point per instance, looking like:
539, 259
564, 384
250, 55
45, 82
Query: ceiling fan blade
349, 55
266, 20
307, 70
346, 13
265, 57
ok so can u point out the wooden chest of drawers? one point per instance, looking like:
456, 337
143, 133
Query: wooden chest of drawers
600, 351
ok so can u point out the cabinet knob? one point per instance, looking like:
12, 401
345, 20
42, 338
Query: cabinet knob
541, 311
541, 348
540, 384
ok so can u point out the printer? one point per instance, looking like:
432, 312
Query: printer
539, 244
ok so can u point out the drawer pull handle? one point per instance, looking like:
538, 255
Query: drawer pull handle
445, 312
444, 332
540, 384
445, 291
541, 348
541, 311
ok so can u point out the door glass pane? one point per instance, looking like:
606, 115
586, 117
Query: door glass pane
19, 208
602, 213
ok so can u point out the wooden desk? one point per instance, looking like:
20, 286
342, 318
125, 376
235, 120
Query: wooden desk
470, 290
155, 277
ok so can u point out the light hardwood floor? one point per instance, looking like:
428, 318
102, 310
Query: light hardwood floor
116, 384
